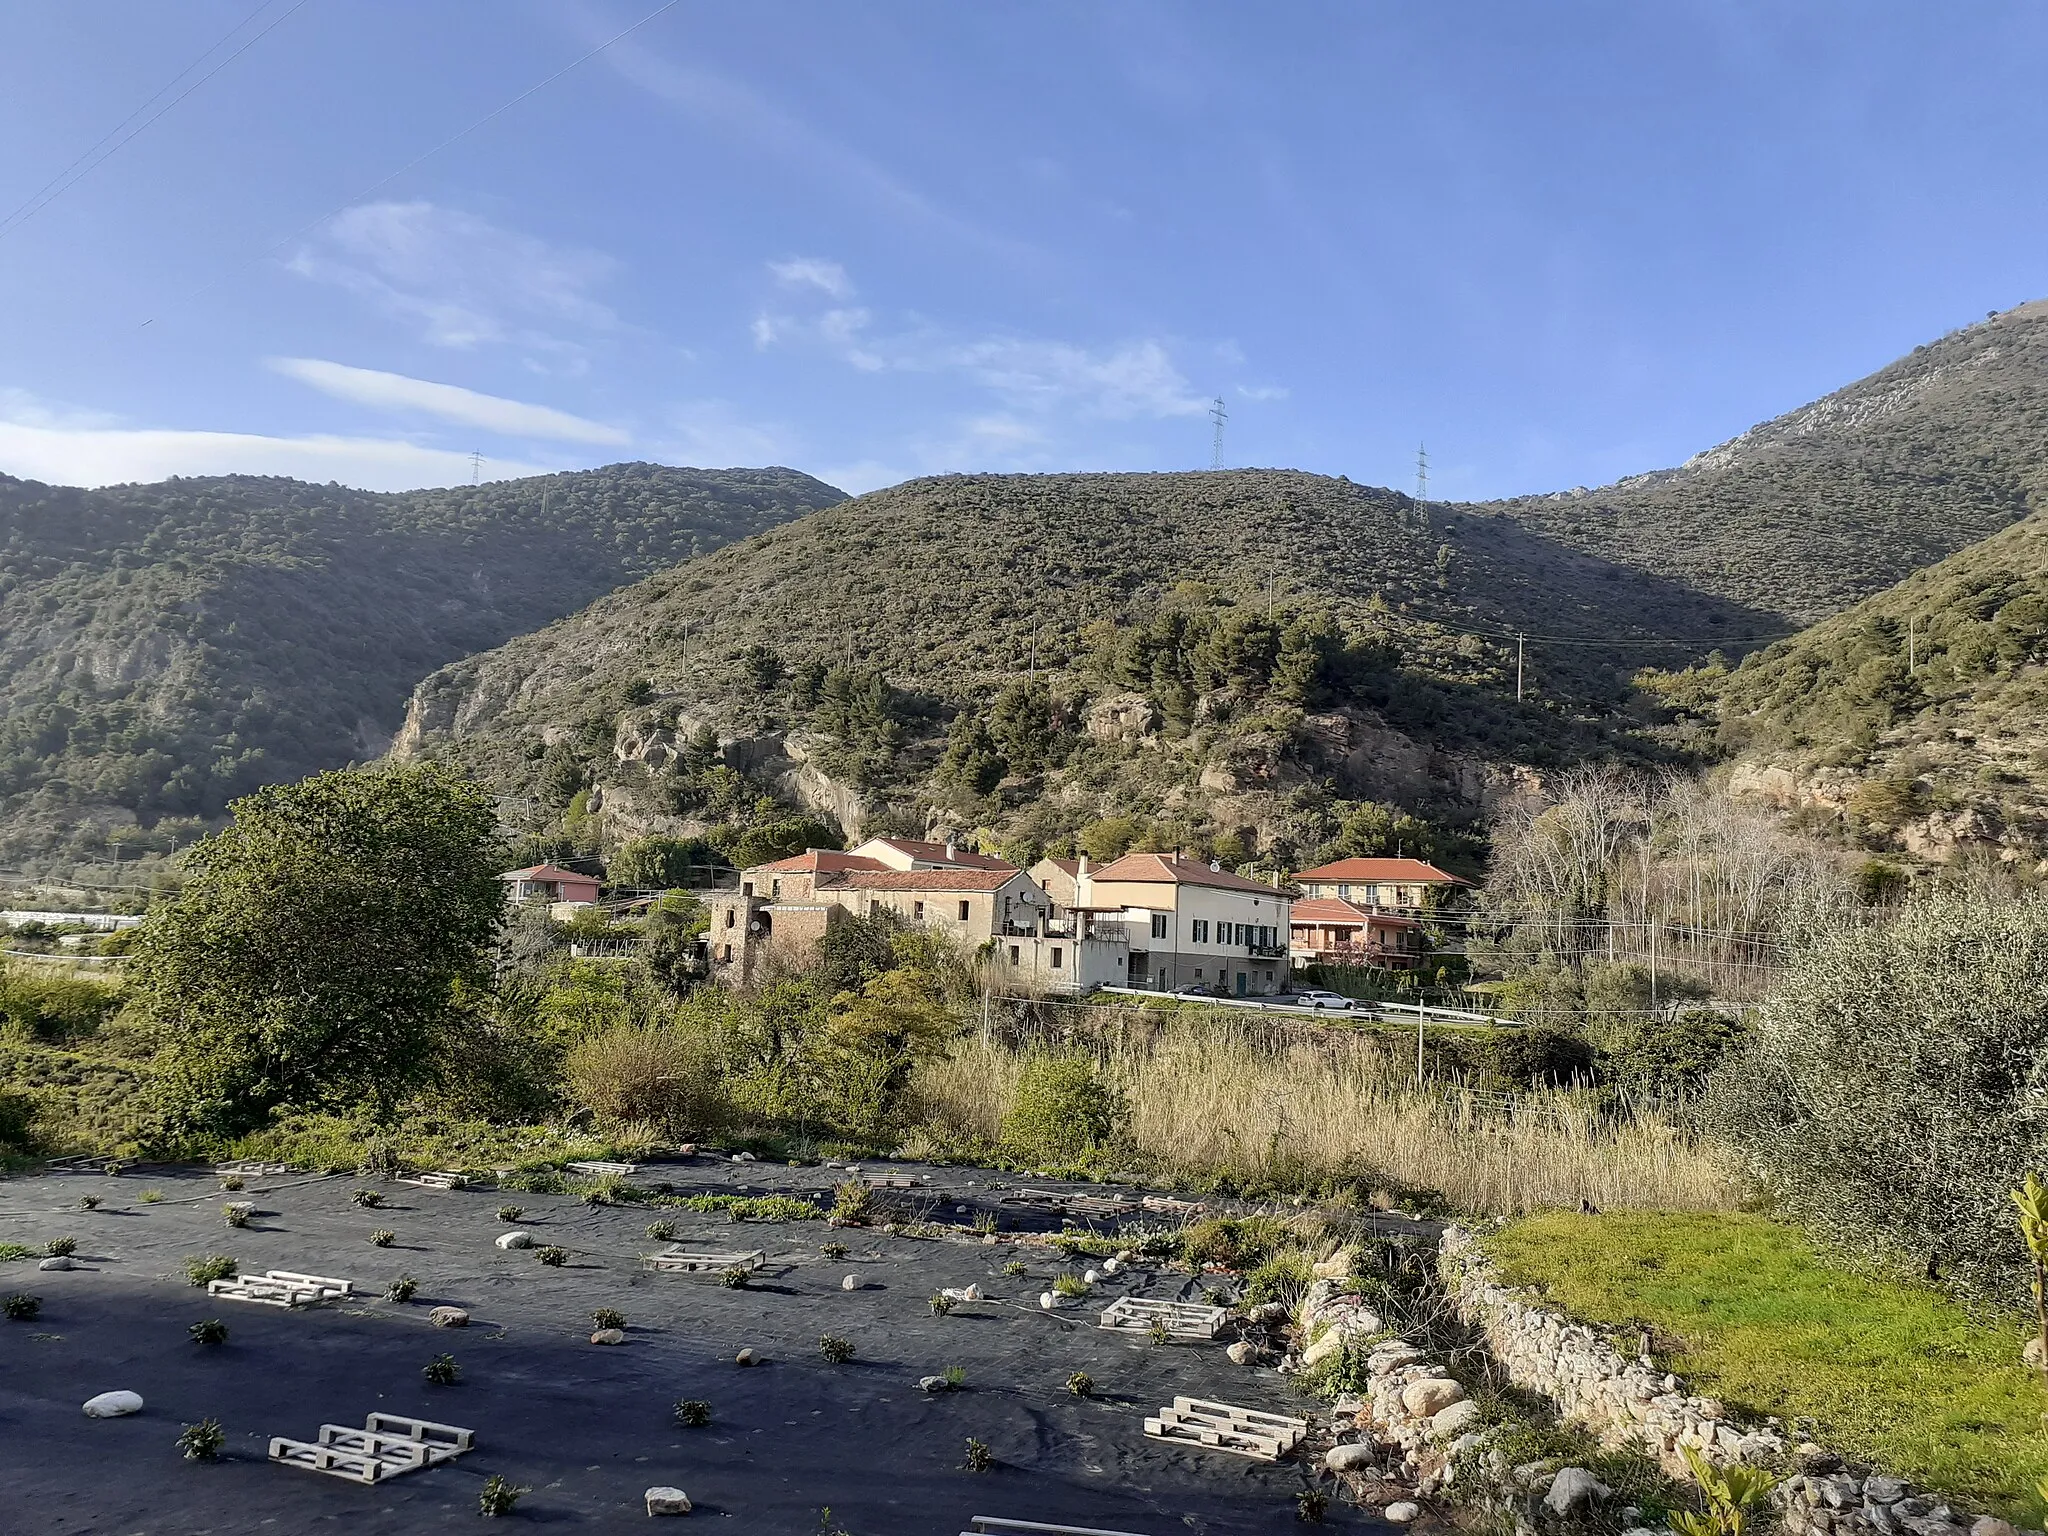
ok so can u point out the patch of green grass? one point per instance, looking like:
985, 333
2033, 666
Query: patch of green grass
746, 1207
1751, 1313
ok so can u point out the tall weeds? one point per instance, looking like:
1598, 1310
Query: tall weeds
1214, 1098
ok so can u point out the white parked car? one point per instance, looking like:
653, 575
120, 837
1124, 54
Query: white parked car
1333, 1000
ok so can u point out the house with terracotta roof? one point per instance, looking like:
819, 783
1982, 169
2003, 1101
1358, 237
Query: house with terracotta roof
1390, 885
1189, 925
549, 882
1324, 930
985, 903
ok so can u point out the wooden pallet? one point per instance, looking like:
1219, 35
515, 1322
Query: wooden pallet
605, 1170
1182, 1319
388, 1445
1225, 1427
280, 1288
889, 1180
992, 1525
678, 1260
436, 1180
253, 1167
1060, 1203
1166, 1205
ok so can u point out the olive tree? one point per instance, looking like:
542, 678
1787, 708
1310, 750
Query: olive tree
1894, 1089
325, 949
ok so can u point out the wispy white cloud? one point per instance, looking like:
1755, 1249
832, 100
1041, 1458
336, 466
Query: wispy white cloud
1262, 392
39, 444
713, 435
813, 272
462, 280
409, 396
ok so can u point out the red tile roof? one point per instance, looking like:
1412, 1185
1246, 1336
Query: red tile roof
814, 861
935, 853
1173, 869
1331, 912
1391, 871
922, 879
548, 872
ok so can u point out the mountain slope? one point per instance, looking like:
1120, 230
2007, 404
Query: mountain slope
1106, 641
1918, 719
1808, 513
166, 647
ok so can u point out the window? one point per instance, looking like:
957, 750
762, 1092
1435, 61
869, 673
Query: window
1198, 973
746, 887
963, 911
1343, 893
917, 910
728, 917
775, 888
1158, 925
1241, 933
1013, 954
728, 955
1199, 932
1059, 957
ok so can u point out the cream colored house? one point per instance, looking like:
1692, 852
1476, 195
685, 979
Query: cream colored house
1188, 925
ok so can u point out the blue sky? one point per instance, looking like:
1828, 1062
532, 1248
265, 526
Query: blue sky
1559, 243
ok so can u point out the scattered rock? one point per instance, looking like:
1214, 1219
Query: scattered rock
933, 1384
1243, 1352
1885, 1490
746, 1357
113, 1405
1451, 1422
57, 1261
744, 1157
1391, 1357
1403, 1513
511, 1240
1337, 1265
1574, 1488
962, 1292
989, 1240
1091, 1276
609, 1336
1048, 1300
667, 1501
448, 1317
1431, 1395
1111, 1266
687, 1149
1991, 1525
850, 1283
1352, 1458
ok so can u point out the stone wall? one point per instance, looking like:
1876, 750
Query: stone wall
1621, 1400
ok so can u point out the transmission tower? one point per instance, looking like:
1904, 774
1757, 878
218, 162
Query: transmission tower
476, 467
1217, 416
1421, 472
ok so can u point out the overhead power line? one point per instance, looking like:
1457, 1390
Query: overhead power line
117, 139
421, 159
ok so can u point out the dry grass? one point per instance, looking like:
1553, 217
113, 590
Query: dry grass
1212, 1098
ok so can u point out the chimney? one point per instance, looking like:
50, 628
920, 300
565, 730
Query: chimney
1083, 895
952, 852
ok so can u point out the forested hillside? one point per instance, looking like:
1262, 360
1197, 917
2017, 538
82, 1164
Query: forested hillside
166, 647
1917, 720
1235, 660
1808, 513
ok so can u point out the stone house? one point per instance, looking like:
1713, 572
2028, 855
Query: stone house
1187, 924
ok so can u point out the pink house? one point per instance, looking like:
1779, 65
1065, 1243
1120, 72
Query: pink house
548, 882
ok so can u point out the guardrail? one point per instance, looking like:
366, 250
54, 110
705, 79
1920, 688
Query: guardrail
1384, 1013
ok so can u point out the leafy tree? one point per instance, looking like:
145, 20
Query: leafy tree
1064, 1106
325, 948
670, 932
662, 863
774, 837
1021, 723
763, 666
971, 761
1888, 1097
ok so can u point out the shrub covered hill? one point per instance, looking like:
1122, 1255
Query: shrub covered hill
166, 647
1806, 514
1916, 721
1257, 664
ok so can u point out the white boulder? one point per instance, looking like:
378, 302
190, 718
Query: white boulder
1451, 1422
113, 1405
1403, 1513
667, 1501
850, 1283
56, 1261
510, 1240
1572, 1488
1431, 1395
1351, 1458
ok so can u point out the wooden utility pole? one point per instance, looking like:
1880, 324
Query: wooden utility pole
1519, 639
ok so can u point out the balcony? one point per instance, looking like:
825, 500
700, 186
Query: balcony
1267, 951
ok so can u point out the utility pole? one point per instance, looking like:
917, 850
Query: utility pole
1217, 416
1271, 576
1519, 640
476, 467
1909, 645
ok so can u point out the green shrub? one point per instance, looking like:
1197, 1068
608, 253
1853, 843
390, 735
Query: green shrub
383, 1237
441, 1371
1887, 1097
498, 1497
1234, 1242
1069, 1286
735, 1278
940, 1303
979, 1457
404, 1288
693, 1413
88, 1202
236, 1215
833, 1252
552, 1256
152, 1197
209, 1330
1065, 1107
204, 1269
60, 1247
21, 1309
368, 1199
1285, 1277
1081, 1384
852, 1201
513, 1212
608, 1317
662, 1231
835, 1349
203, 1441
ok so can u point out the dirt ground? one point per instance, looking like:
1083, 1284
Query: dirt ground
587, 1427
